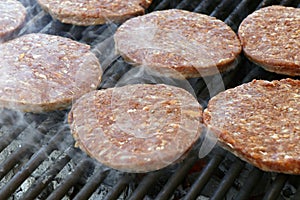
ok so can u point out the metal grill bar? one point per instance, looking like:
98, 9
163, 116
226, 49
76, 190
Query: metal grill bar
276, 187
177, 178
43, 181
14, 159
228, 180
205, 176
87, 177
240, 12
224, 9
252, 180
17, 129
162, 5
30, 166
36, 24
91, 185
74, 179
114, 73
13, 134
288, 3
107, 56
56, 28
265, 3
8, 118
75, 33
119, 187
183, 4
206, 6
145, 185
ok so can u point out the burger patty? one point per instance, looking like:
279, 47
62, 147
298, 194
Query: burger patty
136, 128
40, 72
191, 44
271, 38
93, 12
259, 122
12, 16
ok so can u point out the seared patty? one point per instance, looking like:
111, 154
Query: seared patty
259, 122
12, 16
93, 12
191, 44
271, 38
136, 128
40, 72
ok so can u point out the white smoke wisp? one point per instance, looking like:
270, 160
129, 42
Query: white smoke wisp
140, 75
198, 54
209, 142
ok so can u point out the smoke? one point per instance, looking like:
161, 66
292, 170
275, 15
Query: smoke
144, 75
196, 54
35, 131
103, 47
31, 135
148, 75
208, 143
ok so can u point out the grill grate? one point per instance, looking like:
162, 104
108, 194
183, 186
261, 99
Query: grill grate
37, 155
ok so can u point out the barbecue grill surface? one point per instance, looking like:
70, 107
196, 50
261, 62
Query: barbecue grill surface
37, 155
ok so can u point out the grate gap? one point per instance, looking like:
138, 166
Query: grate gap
32, 10
205, 175
113, 73
105, 52
9, 117
96, 36
36, 24
74, 179
90, 33
177, 177
224, 9
276, 187
162, 5
145, 185
12, 135
240, 12
207, 6
119, 188
288, 3
92, 184
14, 159
30, 166
23, 123
42, 182
297, 194
228, 180
184, 4
265, 3
252, 180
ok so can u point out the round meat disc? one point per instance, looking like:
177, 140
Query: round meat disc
259, 122
271, 38
136, 128
193, 44
12, 16
40, 72
93, 12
